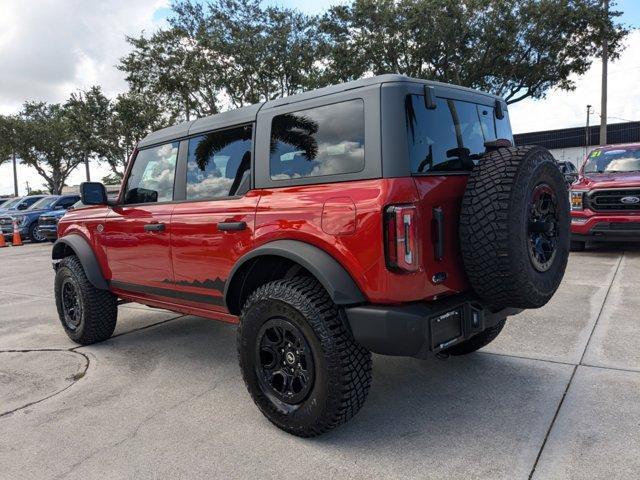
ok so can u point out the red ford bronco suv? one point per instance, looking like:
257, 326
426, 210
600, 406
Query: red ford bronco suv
386, 215
605, 201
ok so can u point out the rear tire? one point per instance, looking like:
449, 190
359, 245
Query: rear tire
514, 227
293, 324
478, 341
88, 314
577, 246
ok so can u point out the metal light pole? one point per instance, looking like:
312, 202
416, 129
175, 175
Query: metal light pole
603, 98
586, 130
15, 173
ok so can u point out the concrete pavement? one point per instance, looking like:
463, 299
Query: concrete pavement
556, 396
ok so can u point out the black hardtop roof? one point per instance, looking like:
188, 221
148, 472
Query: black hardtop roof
248, 114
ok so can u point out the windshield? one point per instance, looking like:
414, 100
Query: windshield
611, 161
11, 203
43, 203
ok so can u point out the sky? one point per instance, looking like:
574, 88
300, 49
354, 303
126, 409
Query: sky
50, 48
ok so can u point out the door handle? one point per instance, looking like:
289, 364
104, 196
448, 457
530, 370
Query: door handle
231, 226
154, 227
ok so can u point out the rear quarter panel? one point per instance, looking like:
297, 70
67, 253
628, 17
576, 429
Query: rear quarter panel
296, 213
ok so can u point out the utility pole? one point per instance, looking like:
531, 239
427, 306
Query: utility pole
586, 132
15, 173
603, 98
86, 166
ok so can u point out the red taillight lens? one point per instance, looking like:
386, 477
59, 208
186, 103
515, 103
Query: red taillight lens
401, 245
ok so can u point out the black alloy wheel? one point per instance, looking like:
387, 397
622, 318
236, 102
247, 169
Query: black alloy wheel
285, 369
71, 304
543, 227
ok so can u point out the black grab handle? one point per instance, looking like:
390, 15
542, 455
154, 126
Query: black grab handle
231, 226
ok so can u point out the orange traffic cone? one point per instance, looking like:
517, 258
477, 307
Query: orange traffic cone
17, 241
3, 243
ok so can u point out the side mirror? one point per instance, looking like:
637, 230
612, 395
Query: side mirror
23, 206
93, 193
571, 177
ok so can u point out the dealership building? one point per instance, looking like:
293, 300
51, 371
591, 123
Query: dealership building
570, 144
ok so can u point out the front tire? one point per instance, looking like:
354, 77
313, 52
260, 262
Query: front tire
88, 314
299, 361
35, 234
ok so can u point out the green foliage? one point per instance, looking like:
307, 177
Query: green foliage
513, 48
112, 179
230, 53
44, 141
7, 137
87, 115
131, 117
227, 53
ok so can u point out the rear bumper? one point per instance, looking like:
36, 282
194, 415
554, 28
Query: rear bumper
417, 329
588, 226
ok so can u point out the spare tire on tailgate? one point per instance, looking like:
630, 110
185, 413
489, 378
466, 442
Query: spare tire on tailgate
514, 227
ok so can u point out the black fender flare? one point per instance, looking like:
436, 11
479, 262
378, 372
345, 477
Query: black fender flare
334, 277
84, 252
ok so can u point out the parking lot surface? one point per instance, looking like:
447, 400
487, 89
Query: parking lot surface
556, 396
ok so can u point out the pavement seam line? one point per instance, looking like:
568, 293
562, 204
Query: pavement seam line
553, 421
575, 369
76, 378
604, 302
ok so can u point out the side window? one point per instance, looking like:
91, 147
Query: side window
470, 129
30, 201
432, 134
219, 164
327, 140
450, 137
66, 202
152, 175
487, 121
503, 127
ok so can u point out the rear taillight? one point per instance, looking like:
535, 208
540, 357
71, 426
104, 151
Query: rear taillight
401, 245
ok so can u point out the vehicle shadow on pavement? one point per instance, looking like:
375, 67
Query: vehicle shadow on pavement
474, 405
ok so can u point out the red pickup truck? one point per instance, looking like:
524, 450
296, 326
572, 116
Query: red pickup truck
605, 201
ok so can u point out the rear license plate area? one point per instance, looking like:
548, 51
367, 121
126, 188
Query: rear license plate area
446, 329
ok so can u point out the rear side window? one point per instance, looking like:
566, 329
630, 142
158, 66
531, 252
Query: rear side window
450, 137
152, 175
219, 162
66, 202
327, 140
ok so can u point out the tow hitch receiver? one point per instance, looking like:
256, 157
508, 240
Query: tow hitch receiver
415, 330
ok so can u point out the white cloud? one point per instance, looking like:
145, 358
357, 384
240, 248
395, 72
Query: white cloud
50, 48
569, 109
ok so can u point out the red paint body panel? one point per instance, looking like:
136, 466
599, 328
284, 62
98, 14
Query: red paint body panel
134, 255
202, 256
296, 213
192, 258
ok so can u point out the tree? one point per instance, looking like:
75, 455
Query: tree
44, 142
8, 134
87, 114
227, 53
131, 117
513, 48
